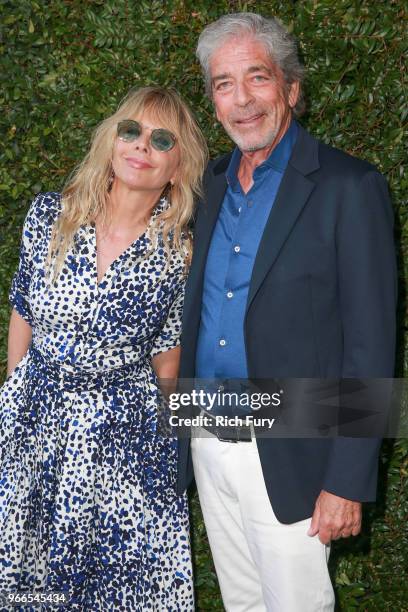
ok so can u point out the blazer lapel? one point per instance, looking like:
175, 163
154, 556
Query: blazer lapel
291, 198
215, 186
207, 219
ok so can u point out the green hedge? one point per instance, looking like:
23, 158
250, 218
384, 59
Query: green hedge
65, 64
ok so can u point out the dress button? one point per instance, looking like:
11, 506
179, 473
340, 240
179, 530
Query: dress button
230, 294
223, 342
237, 248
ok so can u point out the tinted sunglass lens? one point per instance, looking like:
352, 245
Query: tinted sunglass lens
129, 130
162, 140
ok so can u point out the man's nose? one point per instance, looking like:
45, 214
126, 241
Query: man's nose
243, 95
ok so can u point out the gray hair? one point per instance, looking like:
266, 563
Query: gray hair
279, 43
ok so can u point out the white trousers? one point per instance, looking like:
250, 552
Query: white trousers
261, 564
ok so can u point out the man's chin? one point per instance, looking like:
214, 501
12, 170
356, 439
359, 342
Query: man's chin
251, 145
253, 148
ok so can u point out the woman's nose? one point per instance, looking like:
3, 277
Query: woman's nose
143, 142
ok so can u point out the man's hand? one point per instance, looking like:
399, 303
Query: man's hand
335, 517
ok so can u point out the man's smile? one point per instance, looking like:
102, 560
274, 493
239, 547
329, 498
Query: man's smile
250, 121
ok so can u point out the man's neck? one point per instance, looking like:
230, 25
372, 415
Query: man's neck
252, 159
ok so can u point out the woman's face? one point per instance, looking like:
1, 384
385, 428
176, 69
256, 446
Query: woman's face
141, 167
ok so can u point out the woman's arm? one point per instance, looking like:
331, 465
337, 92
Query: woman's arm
166, 364
19, 339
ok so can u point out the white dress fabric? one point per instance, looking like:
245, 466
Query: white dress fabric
87, 483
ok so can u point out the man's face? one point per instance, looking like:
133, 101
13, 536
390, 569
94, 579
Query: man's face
251, 98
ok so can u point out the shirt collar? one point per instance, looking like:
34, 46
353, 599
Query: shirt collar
278, 158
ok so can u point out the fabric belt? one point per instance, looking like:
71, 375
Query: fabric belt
71, 378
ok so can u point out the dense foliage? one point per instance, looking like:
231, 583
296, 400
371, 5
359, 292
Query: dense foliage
65, 64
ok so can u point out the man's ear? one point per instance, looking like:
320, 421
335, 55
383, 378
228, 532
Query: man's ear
294, 90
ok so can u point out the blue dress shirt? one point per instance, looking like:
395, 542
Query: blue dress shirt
234, 245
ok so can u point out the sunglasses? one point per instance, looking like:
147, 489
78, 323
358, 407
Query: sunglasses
160, 139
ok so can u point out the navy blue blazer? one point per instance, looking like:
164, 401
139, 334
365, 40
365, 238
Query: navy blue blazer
321, 303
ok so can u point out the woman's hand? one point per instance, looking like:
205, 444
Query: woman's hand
166, 366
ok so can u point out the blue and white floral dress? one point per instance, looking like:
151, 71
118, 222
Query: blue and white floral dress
87, 483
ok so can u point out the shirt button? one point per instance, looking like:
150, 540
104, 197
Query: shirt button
230, 294
239, 209
223, 342
237, 248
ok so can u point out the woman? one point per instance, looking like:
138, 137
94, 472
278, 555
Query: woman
87, 499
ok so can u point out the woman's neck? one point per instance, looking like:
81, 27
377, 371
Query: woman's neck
128, 207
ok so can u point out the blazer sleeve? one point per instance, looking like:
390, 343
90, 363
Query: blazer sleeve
367, 281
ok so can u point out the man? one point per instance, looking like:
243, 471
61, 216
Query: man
293, 275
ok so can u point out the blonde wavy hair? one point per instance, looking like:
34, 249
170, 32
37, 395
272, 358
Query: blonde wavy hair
86, 193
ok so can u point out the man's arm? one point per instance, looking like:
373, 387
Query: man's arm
367, 292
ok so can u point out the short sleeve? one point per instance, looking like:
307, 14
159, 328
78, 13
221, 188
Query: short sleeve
20, 285
169, 336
